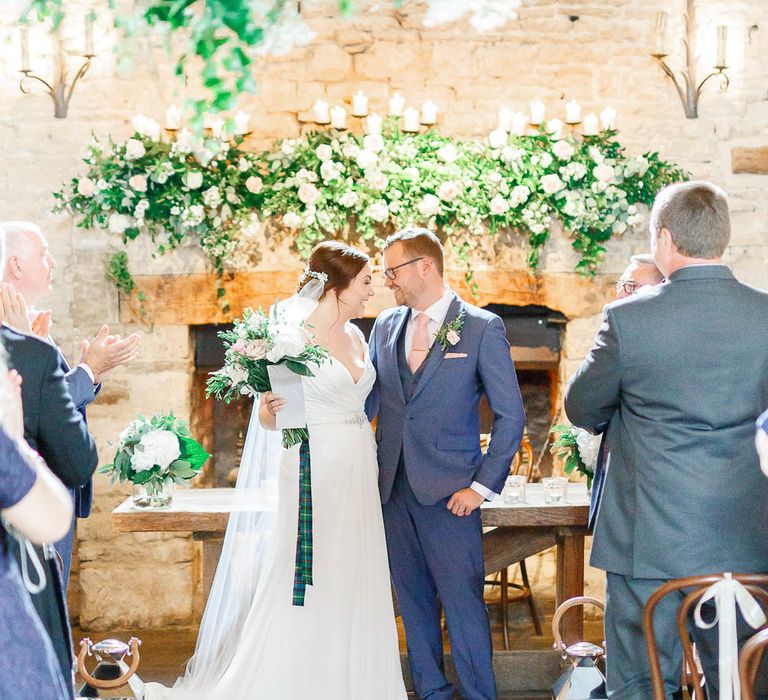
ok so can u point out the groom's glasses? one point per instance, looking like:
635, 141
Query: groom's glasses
391, 272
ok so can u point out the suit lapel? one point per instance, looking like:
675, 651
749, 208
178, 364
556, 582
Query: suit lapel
396, 327
436, 354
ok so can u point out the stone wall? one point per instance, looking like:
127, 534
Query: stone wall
595, 51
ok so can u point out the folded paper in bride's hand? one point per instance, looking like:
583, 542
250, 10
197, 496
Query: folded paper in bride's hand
287, 384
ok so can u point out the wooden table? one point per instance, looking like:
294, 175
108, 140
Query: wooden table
521, 530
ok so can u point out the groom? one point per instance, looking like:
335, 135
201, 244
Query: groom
436, 356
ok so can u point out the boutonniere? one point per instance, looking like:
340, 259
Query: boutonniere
450, 333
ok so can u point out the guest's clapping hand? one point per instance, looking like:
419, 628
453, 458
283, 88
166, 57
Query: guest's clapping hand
13, 309
105, 352
464, 501
41, 324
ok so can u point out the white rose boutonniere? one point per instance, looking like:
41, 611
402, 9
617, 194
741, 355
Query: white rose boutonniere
450, 333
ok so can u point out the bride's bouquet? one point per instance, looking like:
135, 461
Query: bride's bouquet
579, 449
255, 342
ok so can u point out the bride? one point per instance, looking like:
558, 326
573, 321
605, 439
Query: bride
255, 643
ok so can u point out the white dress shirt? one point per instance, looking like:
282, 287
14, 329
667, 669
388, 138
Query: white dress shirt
437, 313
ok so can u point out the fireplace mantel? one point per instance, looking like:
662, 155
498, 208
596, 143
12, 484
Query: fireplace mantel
190, 299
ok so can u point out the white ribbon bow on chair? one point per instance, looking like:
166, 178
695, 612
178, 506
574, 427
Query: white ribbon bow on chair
727, 594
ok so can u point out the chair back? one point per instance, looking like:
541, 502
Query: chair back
754, 583
523, 461
749, 663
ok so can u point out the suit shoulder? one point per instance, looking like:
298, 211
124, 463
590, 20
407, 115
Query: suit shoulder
386, 315
475, 312
22, 347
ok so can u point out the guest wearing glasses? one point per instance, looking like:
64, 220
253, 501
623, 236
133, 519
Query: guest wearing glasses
641, 272
37, 505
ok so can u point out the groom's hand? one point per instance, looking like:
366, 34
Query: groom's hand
463, 502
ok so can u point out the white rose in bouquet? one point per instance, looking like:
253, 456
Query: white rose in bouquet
289, 342
349, 199
308, 193
447, 153
254, 184
86, 187
589, 446
551, 184
193, 179
563, 150
498, 138
604, 172
377, 179
499, 205
350, 149
236, 374
411, 173
545, 160
324, 152
448, 191
134, 149
519, 195
243, 165
291, 220
366, 159
159, 447
212, 197
373, 142
429, 205
330, 170
138, 183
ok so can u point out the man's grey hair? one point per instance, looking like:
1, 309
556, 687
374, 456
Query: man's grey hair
696, 215
648, 259
16, 239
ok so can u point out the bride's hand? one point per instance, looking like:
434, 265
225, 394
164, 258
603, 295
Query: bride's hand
274, 403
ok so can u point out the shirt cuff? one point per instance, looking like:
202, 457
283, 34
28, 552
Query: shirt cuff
88, 371
486, 493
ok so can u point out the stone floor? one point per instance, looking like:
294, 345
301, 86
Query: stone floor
165, 651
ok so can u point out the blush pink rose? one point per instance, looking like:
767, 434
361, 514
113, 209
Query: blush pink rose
452, 337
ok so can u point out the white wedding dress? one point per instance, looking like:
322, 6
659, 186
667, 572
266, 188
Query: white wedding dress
342, 644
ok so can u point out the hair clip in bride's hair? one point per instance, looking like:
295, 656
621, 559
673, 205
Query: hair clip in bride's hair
311, 274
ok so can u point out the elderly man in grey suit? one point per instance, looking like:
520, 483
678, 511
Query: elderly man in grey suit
679, 374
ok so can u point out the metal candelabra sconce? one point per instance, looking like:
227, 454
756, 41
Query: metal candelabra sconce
686, 86
60, 88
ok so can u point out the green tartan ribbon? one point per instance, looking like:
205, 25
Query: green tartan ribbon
303, 569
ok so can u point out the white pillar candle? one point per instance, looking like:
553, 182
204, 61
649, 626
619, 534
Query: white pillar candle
241, 123
396, 104
591, 124
208, 120
173, 117
555, 128
89, 35
608, 118
538, 112
322, 115
519, 123
505, 119
359, 104
24, 35
722, 42
428, 113
411, 119
572, 112
661, 34
373, 123
339, 118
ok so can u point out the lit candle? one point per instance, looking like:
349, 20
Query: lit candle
217, 128
505, 118
396, 104
89, 35
172, 117
661, 34
241, 123
608, 118
359, 104
339, 118
555, 128
722, 41
591, 124
373, 123
538, 111
572, 112
25, 49
428, 113
411, 119
322, 115
519, 123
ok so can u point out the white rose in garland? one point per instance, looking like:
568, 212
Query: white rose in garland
157, 448
563, 150
324, 152
604, 173
330, 170
551, 184
291, 220
146, 127
429, 205
448, 191
366, 159
378, 211
308, 193
373, 143
448, 153
498, 138
86, 187
212, 197
194, 180
138, 183
377, 180
134, 149
118, 223
498, 205
254, 184
349, 199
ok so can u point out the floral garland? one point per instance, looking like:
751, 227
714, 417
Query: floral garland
332, 183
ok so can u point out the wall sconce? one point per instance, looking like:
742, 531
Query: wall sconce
686, 85
60, 88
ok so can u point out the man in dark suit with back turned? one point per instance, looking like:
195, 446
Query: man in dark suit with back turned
679, 374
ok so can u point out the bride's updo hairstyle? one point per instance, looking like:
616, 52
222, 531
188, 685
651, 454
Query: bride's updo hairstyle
335, 263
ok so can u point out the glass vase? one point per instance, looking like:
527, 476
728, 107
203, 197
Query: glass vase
153, 496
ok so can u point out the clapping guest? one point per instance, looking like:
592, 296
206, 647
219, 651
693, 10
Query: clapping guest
36, 504
761, 441
28, 277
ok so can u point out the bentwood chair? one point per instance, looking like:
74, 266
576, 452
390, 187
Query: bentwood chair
754, 583
510, 592
749, 663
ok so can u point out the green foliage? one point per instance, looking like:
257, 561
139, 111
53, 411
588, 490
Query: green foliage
566, 446
188, 455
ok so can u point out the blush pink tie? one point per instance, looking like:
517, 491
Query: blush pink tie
420, 343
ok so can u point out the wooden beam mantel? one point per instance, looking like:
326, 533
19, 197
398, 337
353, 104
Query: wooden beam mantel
750, 160
190, 299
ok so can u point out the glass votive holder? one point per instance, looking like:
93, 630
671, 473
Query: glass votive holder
514, 489
554, 489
